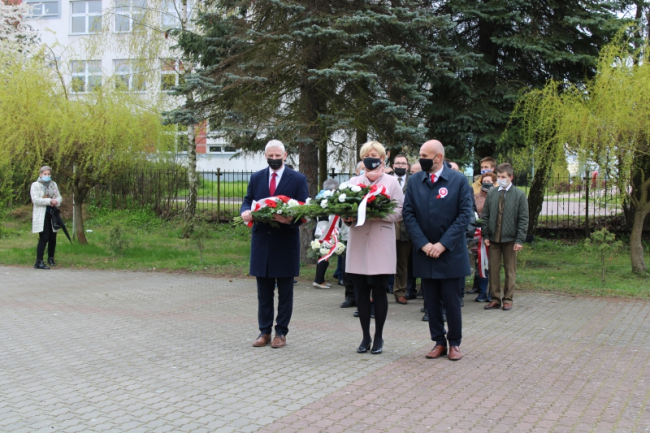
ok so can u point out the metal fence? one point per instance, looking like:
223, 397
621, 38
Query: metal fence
569, 202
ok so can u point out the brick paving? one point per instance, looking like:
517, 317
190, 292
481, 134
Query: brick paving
95, 351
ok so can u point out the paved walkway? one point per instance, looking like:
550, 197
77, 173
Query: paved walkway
85, 351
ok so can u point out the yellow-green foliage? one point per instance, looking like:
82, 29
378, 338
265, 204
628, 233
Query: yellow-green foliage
605, 119
98, 133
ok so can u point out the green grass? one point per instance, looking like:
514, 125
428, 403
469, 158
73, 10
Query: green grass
547, 265
209, 188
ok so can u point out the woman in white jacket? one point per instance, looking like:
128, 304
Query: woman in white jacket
45, 194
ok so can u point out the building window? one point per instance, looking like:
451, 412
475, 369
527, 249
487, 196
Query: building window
229, 149
43, 8
86, 75
128, 14
172, 11
85, 17
128, 76
170, 74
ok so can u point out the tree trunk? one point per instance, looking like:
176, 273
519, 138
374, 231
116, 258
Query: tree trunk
322, 163
636, 244
362, 138
536, 197
192, 191
79, 197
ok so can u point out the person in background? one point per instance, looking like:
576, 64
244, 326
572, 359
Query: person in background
360, 169
487, 165
454, 166
45, 195
437, 211
371, 256
350, 296
275, 251
505, 223
403, 241
415, 168
321, 267
487, 181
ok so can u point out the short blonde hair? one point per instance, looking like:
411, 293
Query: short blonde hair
370, 145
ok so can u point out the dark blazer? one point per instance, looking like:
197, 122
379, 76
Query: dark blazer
275, 251
445, 219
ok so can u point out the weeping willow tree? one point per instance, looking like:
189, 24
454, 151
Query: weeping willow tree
606, 120
88, 140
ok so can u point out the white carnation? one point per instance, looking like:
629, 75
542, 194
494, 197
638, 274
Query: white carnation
344, 185
327, 193
324, 251
279, 212
342, 198
315, 245
355, 188
293, 203
308, 200
340, 248
323, 204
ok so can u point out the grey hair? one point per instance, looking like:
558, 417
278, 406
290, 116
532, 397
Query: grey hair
330, 184
359, 164
45, 167
274, 144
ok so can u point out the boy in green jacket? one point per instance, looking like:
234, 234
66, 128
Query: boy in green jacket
505, 217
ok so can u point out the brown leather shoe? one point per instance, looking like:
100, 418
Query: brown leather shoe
279, 341
507, 306
262, 340
492, 305
401, 300
454, 353
438, 351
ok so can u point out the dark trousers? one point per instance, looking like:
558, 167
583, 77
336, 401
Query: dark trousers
46, 237
265, 298
321, 268
403, 249
436, 293
347, 280
411, 285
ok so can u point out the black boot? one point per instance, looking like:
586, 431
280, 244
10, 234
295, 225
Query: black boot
40, 265
349, 302
50, 261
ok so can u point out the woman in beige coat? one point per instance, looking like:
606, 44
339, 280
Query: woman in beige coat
45, 194
370, 256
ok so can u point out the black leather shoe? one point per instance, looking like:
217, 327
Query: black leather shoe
51, 262
425, 318
348, 303
411, 295
422, 310
363, 348
389, 289
356, 313
377, 349
40, 265
473, 291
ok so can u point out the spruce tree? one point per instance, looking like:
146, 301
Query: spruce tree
517, 45
303, 70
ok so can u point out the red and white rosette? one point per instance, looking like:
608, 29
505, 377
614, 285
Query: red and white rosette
375, 190
331, 236
482, 253
442, 192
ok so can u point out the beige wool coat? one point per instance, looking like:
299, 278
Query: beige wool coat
371, 247
41, 201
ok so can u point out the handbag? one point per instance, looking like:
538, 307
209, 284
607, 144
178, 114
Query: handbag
57, 223
320, 229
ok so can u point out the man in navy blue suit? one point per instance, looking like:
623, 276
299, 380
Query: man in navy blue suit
437, 209
275, 251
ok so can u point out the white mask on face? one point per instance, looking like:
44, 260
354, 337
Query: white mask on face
503, 183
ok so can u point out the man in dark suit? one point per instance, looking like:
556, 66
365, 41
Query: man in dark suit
437, 209
275, 251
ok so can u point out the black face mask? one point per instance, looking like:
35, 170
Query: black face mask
400, 171
487, 186
426, 164
274, 163
371, 163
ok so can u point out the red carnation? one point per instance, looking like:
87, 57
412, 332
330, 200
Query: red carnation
373, 188
362, 186
385, 195
372, 198
257, 207
283, 198
271, 203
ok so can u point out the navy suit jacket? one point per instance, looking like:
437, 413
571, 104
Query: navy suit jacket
275, 251
445, 219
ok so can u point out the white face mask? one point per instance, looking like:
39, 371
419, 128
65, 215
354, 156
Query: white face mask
503, 183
